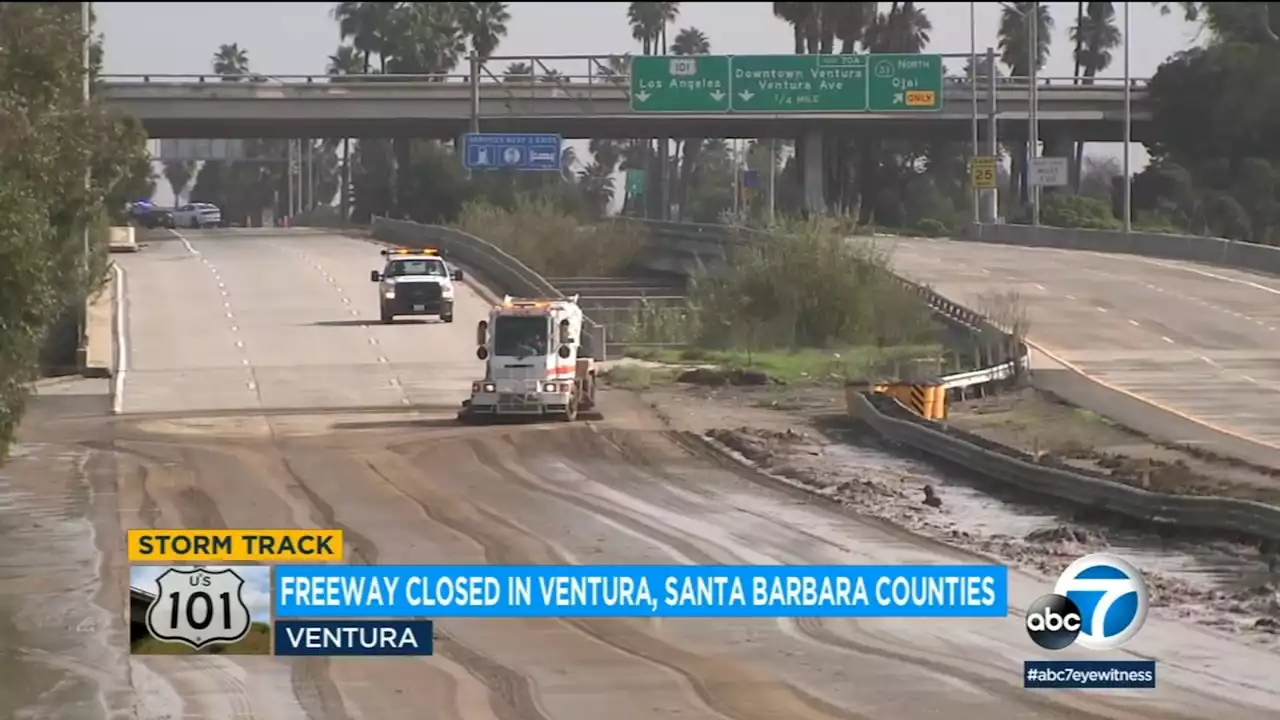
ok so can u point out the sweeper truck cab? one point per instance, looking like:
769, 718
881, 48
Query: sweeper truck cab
535, 363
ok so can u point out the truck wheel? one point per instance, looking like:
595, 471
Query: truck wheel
446, 318
571, 412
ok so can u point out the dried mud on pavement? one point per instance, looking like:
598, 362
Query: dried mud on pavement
797, 434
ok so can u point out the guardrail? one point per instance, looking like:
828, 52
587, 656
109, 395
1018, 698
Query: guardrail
682, 247
508, 274
1209, 250
891, 419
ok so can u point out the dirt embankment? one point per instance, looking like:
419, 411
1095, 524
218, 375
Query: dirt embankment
795, 434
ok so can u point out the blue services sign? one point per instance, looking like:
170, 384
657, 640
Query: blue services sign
516, 151
404, 592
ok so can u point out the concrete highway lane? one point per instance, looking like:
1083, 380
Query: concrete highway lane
225, 320
413, 487
1199, 340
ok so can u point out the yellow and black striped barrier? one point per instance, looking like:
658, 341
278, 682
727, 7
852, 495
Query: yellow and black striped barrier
928, 400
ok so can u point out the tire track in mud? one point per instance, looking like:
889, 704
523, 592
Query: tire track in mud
599, 445
310, 678
716, 683
514, 693
231, 689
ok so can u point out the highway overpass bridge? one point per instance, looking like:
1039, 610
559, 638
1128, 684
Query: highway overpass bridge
575, 106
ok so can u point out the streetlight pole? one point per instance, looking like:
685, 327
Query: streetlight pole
1128, 129
973, 91
1033, 139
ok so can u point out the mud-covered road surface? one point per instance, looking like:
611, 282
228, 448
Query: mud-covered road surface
410, 486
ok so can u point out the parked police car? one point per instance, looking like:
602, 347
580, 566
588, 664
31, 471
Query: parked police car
415, 282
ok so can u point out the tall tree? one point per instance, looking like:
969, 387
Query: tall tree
1095, 35
1017, 54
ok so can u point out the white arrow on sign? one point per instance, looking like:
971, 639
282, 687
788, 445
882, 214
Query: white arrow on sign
897, 98
746, 95
642, 96
717, 96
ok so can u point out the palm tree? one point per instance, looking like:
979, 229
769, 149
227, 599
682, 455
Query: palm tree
179, 173
345, 61
1014, 53
486, 24
518, 72
1095, 36
231, 61
689, 41
366, 25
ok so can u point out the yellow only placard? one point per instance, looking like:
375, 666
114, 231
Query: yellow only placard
211, 546
982, 173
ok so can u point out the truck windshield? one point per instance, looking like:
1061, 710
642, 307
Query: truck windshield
402, 268
520, 337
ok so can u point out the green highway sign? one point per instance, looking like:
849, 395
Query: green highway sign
905, 82
799, 83
680, 84
787, 83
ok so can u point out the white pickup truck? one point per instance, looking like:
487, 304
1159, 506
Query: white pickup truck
197, 215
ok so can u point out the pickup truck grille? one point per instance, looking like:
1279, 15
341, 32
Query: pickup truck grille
418, 292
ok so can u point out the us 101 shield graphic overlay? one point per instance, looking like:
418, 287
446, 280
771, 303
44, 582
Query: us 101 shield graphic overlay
199, 607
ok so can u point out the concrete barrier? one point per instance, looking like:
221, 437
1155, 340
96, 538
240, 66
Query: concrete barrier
895, 422
1208, 250
100, 330
122, 239
506, 272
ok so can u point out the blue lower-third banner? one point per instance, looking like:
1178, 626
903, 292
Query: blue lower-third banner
438, 591
1089, 674
353, 637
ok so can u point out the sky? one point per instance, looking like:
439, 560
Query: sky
257, 584
297, 38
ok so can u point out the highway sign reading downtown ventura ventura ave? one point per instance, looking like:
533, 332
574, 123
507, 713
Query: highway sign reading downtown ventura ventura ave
787, 83
515, 151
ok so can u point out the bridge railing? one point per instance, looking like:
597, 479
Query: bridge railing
688, 248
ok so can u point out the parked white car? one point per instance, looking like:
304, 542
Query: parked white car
197, 215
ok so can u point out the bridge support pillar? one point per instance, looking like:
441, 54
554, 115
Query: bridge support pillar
815, 196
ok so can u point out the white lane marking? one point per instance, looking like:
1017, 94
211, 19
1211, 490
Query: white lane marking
1133, 323
1162, 337
1210, 361
122, 345
187, 244
1216, 276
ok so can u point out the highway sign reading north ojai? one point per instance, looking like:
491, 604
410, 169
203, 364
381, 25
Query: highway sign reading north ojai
905, 82
515, 151
680, 84
787, 83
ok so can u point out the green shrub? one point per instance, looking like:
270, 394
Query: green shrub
550, 241
808, 287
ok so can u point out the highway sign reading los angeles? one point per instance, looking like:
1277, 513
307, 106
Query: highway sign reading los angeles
787, 83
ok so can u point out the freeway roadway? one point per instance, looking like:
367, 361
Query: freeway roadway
224, 327
1202, 342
